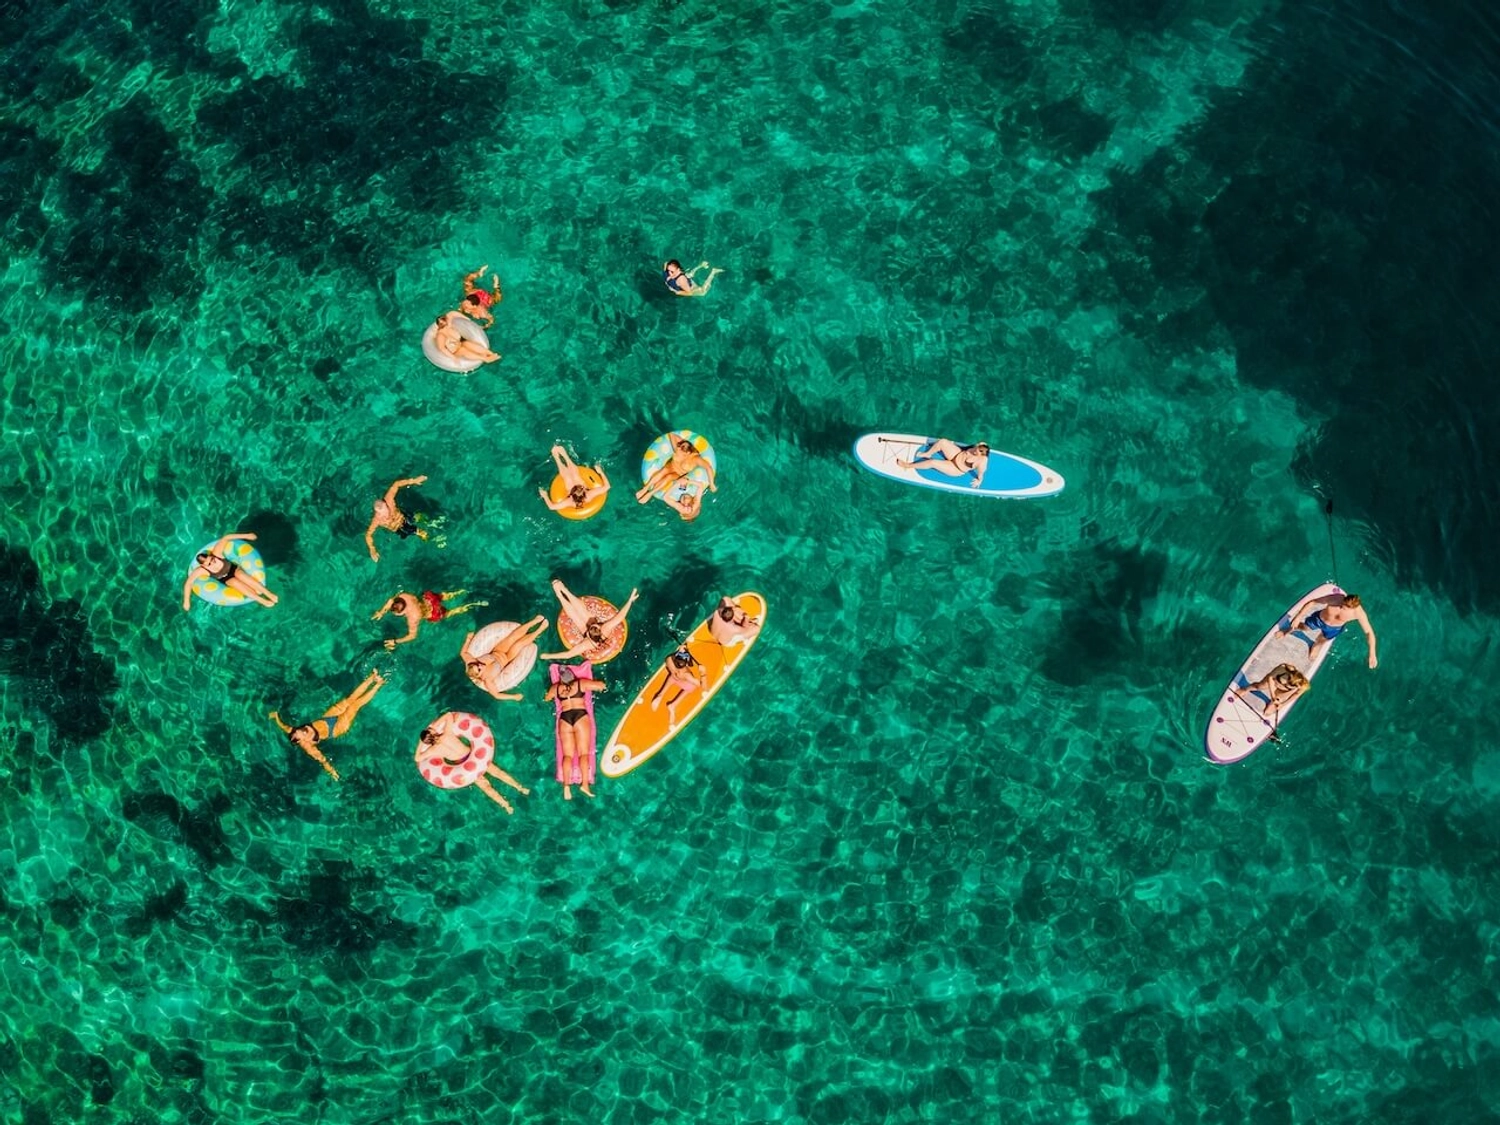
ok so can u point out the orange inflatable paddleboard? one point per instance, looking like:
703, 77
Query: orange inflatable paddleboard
643, 731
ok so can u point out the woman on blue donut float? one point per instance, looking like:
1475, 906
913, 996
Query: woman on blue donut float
211, 565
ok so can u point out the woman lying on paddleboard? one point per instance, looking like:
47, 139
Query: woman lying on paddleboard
954, 460
686, 675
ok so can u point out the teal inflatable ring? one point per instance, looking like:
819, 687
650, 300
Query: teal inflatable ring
244, 556
660, 452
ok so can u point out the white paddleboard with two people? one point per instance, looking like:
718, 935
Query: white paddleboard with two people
1278, 672
948, 466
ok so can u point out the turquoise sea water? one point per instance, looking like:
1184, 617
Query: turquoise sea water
946, 848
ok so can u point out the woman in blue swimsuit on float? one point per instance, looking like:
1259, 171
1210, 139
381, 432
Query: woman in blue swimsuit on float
681, 282
1329, 617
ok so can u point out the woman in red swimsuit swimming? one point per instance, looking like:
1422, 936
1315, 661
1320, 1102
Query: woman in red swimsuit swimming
429, 607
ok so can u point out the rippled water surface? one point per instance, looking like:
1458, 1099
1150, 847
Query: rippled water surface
946, 847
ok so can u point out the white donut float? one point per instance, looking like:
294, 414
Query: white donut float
465, 328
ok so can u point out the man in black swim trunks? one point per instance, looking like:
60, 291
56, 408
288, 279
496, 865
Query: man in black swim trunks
392, 518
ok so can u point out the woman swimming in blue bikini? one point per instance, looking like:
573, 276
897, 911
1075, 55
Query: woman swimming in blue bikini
681, 282
1331, 615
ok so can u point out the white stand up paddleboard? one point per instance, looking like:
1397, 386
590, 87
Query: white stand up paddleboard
1006, 477
1238, 727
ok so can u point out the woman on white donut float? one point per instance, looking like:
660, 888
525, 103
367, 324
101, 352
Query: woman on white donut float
484, 668
450, 342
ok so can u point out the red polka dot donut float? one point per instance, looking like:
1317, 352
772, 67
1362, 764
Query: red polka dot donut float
436, 760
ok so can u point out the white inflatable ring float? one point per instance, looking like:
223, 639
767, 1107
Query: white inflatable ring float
519, 668
465, 328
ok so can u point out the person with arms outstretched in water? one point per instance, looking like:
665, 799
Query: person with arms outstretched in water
390, 517
335, 722
477, 299
953, 460
429, 607
595, 629
211, 563
1332, 614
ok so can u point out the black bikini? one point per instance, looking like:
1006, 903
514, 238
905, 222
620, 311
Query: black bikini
572, 715
229, 571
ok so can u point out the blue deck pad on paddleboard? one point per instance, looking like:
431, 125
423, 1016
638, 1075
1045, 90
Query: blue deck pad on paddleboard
1005, 477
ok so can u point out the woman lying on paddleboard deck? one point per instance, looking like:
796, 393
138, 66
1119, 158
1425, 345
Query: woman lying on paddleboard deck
951, 459
973, 469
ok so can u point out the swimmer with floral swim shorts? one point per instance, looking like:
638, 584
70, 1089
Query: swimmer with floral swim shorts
429, 607
477, 301
390, 517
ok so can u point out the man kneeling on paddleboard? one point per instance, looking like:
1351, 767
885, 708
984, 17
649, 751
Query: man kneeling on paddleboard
951, 459
1328, 620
